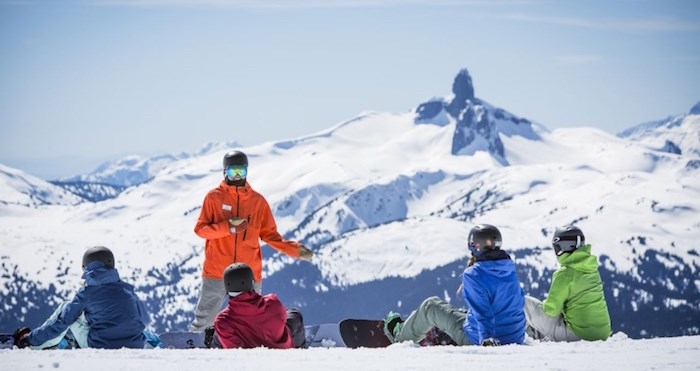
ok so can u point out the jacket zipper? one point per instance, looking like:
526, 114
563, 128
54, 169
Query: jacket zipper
235, 238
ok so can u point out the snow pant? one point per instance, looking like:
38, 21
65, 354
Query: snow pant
434, 312
79, 329
546, 327
212, 296
295, 324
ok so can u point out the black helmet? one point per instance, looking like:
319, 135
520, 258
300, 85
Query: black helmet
567, 239
238, 277
484, 237
98, 253
235, 158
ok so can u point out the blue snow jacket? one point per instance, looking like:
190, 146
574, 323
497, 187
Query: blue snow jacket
495, 300
114, 313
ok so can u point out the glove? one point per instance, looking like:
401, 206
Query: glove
237, 225
21, 337
305, 253
490, 342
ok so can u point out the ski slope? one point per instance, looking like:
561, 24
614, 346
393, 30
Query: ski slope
617, 353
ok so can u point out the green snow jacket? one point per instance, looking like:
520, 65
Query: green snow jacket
577, 294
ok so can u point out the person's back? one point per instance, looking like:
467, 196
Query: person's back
104, 313
575, 308
251, 320
495, 299
113, 311
577, 293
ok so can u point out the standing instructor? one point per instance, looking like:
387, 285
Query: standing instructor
233, 220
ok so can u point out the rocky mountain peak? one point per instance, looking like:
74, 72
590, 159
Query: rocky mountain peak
695, 110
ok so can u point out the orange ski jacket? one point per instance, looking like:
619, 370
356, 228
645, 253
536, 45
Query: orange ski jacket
223, 248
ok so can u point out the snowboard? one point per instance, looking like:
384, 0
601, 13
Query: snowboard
363, 333
7, 340
370, 334
182, 340
325, 335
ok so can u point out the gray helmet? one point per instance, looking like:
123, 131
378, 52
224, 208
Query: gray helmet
98, 253
238, 277
485, 237
567, 239
235, 158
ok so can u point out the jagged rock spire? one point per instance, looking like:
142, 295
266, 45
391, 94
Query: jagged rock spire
463, 89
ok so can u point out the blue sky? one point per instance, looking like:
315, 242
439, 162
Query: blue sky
84, 81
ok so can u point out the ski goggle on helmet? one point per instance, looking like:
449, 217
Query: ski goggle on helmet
236, 170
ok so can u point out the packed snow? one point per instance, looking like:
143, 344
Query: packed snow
617, 353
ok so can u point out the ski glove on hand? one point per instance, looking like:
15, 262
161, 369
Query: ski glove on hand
305, 253
490, 342
21, 336
237, 225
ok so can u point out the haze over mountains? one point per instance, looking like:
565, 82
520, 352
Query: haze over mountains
386, 201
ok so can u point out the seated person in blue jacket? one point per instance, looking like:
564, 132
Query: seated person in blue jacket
493, 295
104, 313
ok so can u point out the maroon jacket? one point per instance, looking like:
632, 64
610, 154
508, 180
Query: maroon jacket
251, 320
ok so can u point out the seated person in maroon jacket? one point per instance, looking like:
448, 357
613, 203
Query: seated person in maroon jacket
251, 320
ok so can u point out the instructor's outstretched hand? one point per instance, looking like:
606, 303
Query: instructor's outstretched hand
305, 253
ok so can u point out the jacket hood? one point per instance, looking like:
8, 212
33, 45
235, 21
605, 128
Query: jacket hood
100, 276
501, 268
246, 301
243, 192
248, 304
581, 260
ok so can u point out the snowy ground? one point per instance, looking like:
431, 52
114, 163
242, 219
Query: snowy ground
618, 353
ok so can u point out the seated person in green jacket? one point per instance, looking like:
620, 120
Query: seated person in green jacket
575, 308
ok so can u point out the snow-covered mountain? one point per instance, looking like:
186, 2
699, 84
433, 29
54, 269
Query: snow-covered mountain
128, 171
478, 126
134, 170
19, 188
678, 134
386, 202
112, 177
